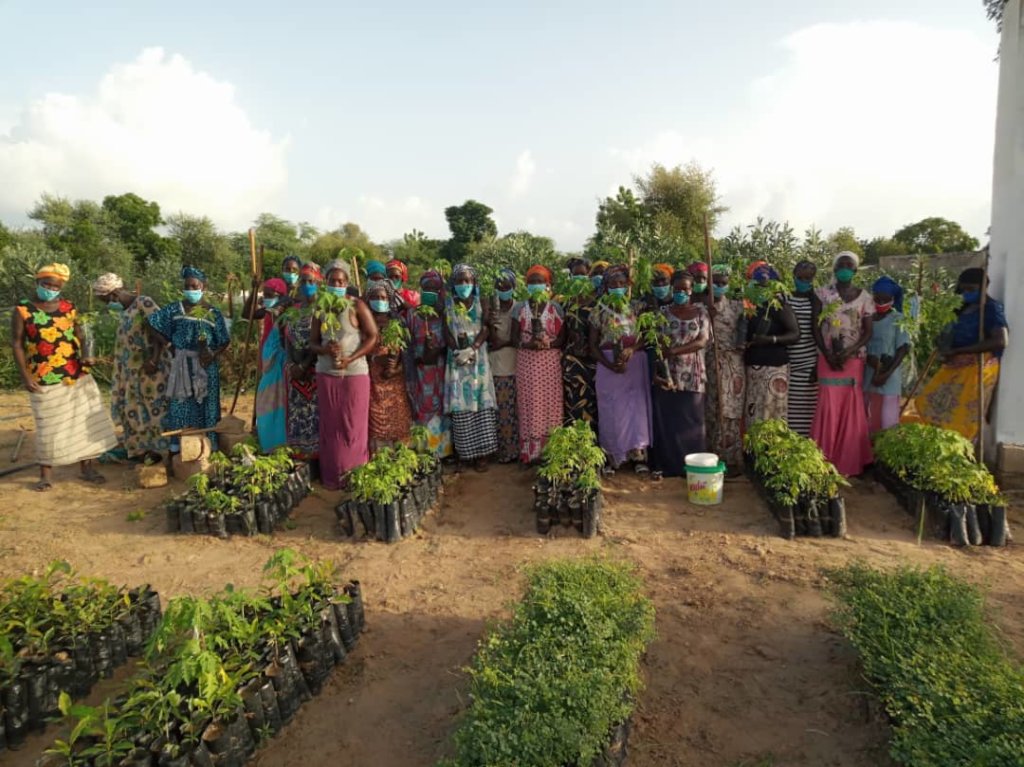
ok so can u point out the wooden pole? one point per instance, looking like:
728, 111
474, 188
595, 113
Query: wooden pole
710, 299
355, 275
920, 380
259, 367
981, 360
240, 369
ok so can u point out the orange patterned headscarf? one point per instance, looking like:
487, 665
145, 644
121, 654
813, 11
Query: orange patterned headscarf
542, 270
666, 269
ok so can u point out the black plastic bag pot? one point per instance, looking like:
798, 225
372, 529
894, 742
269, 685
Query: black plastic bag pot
84, 675
800, 518
332, 633
380, 521
33, 678
406, 516
617, 750
118, 645
185, 523
984, 514
230, 742
15, 700
346, 522
249, 524
999, 531
60, 678
253, 705
346, 630
173, 514
958, 535
356, 612
134, 642
3, 726
172, 756
233, 524
137, 758
392, 518
149, 610
973, 527
837, 516
218, 525
268, 700
315, 660
787, 521
544, 521
99, 642
200, 756
201, 521
592, 506
364, 512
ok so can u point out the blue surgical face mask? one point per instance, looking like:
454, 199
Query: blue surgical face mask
535, 288
334, 290
379, 305
700, 287
845, 275
270, 303
505, 295
291, 277
971, 297
396, 283
115, 306
464, 290
616, 291
579, 276
803, 286
309, 289
596, 280
193, 296
661, 292
681, 297
46, 294
428, 297
720, 290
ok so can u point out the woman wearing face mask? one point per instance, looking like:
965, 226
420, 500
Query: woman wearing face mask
803, 355
842, 330
502, 352
303, 416
538, 332
661, 290
398, 274
771, 329
427, 355
698, 270
390, 414
622, 382
197, 335
889, 345
291, 268
138, 385
725, 355
950, 398
578, 366
341, 340
597, 270
678, 401
469, 388
271, 393
72, 423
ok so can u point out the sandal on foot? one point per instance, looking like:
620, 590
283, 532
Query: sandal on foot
93, 476
641, 469
42, 486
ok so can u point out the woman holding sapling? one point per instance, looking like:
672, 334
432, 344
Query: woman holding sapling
390, 414
678, 399
303, 413
622, 380
72, 423
803, 355
888, 346
771, 330
842, 330
469, 388
502, 353
342, 334
427, 354
725, 355
198, 335
950, 398
538, 332
578, 366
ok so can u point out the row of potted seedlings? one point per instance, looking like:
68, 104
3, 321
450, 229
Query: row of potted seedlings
243, 494
556, 683
934, 475
62, 633
568, 488
799, 484
391, 494
222, 674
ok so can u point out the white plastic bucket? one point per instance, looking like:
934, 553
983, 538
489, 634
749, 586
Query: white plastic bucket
705, 479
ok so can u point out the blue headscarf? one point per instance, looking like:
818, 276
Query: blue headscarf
192, 271
506, 274
891, 287
374, 267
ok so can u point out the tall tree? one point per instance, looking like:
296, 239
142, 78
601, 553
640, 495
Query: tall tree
416, 250
935, 235
878, 248
348, 235
470, 222
677, 199
200, 244
132, 220
80, 232
844, 238
995, 9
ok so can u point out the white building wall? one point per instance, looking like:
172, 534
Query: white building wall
1007, 235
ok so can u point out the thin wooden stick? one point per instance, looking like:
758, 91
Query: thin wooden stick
252, 324
981, 361
355, 275
710, 298
920, 380
258, 364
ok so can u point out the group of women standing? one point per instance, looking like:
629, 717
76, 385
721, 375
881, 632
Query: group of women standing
682, 369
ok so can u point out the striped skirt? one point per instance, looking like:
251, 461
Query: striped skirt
803, 399
475, 434
72, 423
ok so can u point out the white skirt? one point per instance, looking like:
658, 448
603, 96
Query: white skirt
72, 423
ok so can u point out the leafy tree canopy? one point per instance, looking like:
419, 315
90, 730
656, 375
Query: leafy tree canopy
328, 245
935, 235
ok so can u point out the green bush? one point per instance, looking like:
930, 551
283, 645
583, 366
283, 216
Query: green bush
929, 458
954, 696
789, 465
549, 684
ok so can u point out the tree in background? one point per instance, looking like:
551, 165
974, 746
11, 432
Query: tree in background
995, 9
6, 236
470, 222
880, 247
349, 237
201, 244
132, 220
844, 238
517, 251
934, 235
676, 200
415, 250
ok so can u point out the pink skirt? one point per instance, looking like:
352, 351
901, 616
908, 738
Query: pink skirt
840, 420
883, 411
344, 425
539, 399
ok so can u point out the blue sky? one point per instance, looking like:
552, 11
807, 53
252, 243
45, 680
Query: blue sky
872, 114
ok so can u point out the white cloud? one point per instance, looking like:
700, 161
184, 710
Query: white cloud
384, 218
526, 169
873, 125
157, 127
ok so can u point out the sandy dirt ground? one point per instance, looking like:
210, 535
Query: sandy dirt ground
745, 671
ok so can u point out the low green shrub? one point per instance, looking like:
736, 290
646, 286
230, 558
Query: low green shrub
929, 458
549, 684
954, 696
572, 458
789, 465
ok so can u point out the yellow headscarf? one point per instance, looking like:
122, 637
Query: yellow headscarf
55, 270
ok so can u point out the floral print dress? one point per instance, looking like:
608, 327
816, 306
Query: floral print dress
137, 399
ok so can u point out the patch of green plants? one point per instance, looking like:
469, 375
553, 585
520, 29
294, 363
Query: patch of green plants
329, 309
549, 684
789, 465
386, 476
395, 336
941, 461
956, 699
572, 458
